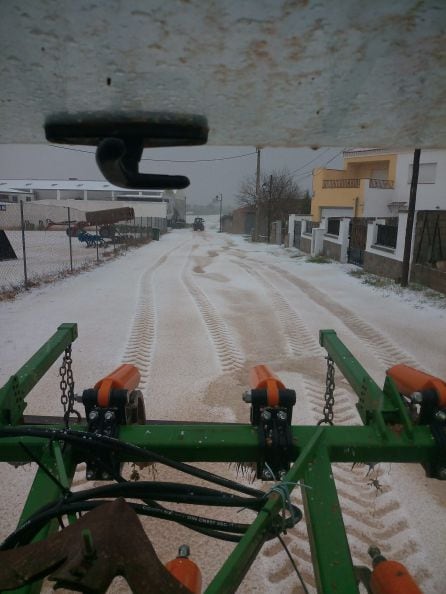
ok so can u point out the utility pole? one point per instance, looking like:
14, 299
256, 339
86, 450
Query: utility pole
219, 198
410, 218
256, 230
269, 206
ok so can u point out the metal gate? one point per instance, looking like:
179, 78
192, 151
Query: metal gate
430, 238
357, 241
297, 233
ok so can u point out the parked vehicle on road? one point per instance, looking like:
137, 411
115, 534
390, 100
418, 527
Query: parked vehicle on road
198, 224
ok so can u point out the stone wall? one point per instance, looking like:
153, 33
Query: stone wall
305, 244
382, 265
431, 277
332, 250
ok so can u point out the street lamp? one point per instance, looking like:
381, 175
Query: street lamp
219, 198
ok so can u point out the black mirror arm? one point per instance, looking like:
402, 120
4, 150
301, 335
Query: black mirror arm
118, 160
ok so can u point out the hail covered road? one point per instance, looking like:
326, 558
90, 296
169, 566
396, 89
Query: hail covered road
194, 312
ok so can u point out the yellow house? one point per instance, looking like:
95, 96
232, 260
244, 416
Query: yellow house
363, 188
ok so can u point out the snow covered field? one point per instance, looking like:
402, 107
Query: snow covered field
47, 252
195, 311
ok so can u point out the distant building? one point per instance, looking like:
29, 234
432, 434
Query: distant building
376, 183
244, 220
226, 223
88, 195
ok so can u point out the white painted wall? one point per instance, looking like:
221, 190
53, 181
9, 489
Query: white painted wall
37, 211
376, 201
429, 196
342, 239
291, 219
336, 211
398, 252
142, 209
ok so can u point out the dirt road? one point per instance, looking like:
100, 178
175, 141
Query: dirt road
194, 312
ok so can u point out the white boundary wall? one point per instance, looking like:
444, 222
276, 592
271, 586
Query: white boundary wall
396, 253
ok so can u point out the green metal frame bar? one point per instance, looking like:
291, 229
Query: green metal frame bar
238, 443
14, 392
43, 491
388, 435
241, 558
332, 565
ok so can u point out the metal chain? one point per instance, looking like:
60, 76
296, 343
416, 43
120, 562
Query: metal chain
67, 386
329, 394
63, 381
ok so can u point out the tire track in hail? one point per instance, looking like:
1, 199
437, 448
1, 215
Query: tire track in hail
139, 347
371, 516
301, 341
386, 351
228, 353
140, 343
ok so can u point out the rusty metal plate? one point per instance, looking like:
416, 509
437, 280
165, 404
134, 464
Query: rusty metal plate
119, 546
271, 73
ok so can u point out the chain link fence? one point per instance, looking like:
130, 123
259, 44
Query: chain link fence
40, 243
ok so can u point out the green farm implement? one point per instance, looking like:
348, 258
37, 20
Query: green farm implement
101, 535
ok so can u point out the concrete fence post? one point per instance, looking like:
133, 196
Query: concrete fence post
317, 241
372, 231
291, 220
401, 237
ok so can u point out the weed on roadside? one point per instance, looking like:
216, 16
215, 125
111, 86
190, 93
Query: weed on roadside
422, 294
318, 260
359, 273
378, 281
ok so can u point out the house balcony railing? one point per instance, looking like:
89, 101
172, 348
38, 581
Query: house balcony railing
341, 183
381, 184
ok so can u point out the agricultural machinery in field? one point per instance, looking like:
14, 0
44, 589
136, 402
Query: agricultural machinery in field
198, 224
82, 539
90, 239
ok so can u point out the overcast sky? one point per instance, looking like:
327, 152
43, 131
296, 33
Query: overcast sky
208, 178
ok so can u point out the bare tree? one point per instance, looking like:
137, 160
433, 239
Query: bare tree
279, 197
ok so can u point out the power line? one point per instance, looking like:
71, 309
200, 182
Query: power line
333, 158
202, 160
67, 148
309, 162
308, 173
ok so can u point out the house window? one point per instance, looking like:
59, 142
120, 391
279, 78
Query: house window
426, 174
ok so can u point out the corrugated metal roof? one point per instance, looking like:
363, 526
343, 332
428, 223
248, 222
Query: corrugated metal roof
72, 184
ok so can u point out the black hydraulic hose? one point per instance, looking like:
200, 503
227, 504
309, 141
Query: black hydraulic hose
166, 491
210, 527
28, 529
83, 439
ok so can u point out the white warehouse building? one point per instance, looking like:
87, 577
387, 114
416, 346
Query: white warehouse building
87, 195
